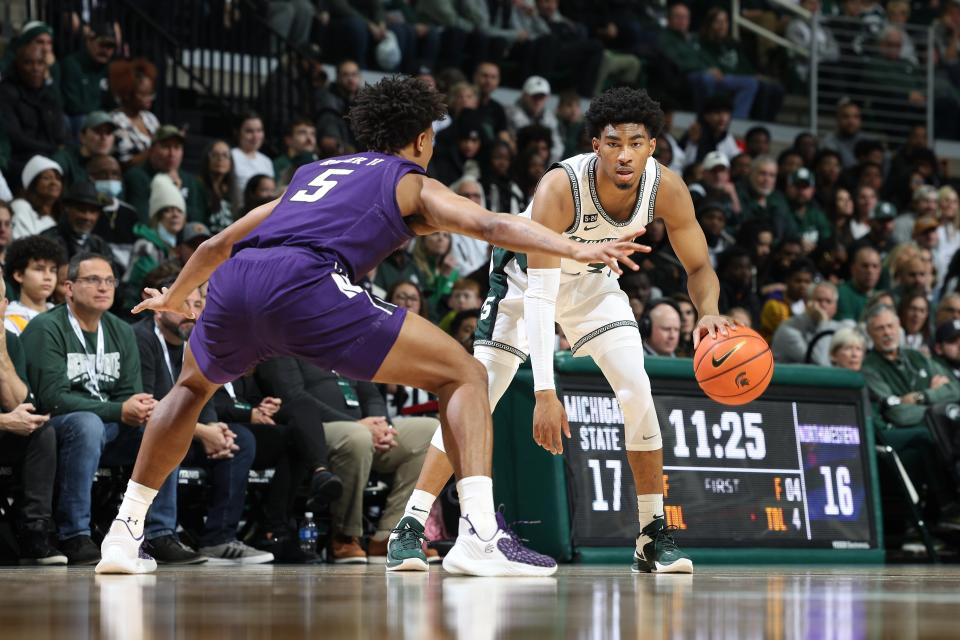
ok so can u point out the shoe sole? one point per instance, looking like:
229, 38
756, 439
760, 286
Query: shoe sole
350, 561
113, 561
59, 561
457, 564
410, 564
183, 563
239, 561
683, 565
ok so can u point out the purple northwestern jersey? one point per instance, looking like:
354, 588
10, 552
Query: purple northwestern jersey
343, 208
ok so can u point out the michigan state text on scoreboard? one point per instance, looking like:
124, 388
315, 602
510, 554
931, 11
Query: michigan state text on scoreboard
793, 470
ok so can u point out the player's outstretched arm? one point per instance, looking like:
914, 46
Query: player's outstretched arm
209, 255
686, 236
442, 209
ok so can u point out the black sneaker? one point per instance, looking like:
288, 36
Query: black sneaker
660, 554
80, 550
325, 486
169, 550
35, 548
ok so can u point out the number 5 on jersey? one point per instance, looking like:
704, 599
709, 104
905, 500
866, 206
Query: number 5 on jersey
322, 184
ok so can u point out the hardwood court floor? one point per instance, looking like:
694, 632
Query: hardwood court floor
899, 602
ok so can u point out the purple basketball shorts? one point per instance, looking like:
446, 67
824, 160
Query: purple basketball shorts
288, 301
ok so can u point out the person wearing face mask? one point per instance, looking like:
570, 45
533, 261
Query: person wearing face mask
118, 219
82, 207
156, 243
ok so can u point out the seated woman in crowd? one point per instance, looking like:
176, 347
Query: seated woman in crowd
40, 207
133, 84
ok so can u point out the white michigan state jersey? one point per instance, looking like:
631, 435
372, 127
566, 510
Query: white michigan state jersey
592, 310
591, 224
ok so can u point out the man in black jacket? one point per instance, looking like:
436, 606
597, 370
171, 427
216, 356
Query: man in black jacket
30, 113
226, 452
82, 208
360, 439
290, 440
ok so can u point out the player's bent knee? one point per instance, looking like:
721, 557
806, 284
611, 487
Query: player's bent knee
643, 434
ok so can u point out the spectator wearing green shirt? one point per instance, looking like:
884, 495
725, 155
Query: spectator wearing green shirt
84, 82
760, 200
40, 33
165, 156
301, 143
864, 276
727, 55
809, 220
684, 50
85, 370
903, 385
96, 139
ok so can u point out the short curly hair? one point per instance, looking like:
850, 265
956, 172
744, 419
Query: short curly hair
622, 105
389, 115
22, 251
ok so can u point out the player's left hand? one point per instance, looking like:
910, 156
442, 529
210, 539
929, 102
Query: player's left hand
158, 301
713, 326
549, 419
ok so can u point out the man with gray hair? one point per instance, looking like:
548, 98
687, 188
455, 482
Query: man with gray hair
903, 385
471, 253
760, 200
805, 338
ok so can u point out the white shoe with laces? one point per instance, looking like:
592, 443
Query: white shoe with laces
121, 552
501, 555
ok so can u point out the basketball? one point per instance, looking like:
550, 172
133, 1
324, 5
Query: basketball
734, 369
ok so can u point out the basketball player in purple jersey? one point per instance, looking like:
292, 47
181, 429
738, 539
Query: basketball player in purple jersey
282, 284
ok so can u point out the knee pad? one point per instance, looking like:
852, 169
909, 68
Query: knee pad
437, 439
501, 367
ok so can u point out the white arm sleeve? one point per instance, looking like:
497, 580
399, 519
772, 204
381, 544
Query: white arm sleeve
539, 310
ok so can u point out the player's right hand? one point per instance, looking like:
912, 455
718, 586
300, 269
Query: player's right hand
611, 253
158, 301
549, 420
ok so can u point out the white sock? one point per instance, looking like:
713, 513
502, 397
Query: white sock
649, 507
419, 506
476, 503
133, 509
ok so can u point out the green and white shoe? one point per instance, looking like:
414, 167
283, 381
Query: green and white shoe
660, 554
405, 547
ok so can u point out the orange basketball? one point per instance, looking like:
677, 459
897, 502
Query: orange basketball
734, 369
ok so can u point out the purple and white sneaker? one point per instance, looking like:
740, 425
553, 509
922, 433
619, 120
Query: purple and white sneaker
122, 552
501, 555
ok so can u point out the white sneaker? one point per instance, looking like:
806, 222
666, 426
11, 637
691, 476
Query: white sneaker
235, 552
501, 555
121, 552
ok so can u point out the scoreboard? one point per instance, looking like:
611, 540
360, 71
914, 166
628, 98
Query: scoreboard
789, 471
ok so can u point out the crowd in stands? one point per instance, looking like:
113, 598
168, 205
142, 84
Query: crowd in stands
841, 251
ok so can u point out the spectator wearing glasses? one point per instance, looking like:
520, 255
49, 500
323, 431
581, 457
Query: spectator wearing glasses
85, 371
84, 83
165, 156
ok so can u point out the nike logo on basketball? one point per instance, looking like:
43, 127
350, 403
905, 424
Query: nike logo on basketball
591, 228
719, 361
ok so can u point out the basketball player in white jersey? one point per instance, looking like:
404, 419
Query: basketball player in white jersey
611, 193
